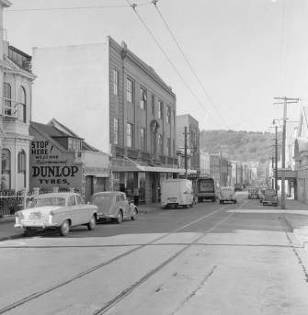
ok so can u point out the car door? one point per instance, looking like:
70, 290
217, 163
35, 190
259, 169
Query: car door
125, 205
84, 210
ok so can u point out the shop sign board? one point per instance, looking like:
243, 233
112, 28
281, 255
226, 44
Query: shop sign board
50, 167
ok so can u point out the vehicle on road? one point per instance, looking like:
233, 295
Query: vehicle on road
177, 192
261, 192
270, 198
206, 189
58, 211
238, 187
226, 194
114, 205
253, 193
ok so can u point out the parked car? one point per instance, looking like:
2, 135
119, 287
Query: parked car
58, 211
270, 198
253, 193
177, 192
226, 194
114, 205
261, 194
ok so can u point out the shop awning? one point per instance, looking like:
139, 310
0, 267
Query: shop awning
96, 171
128, 165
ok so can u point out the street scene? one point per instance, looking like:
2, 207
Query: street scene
154, 157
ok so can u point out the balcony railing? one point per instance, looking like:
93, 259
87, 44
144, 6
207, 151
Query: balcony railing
162, 159
145, 156
119, 152
132, 153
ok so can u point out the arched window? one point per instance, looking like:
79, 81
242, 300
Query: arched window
21, 166
6, 169
7, 95
22, 106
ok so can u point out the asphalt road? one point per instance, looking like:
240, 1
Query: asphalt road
211, 259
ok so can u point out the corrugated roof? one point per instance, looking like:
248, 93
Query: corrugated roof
48, 129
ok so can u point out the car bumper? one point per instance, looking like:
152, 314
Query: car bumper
103, 216
36, 225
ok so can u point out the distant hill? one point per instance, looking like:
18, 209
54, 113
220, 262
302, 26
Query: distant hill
238, 145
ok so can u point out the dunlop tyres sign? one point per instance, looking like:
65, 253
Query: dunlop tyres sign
51, 167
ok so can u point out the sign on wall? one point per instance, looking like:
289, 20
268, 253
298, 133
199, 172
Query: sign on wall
50, 167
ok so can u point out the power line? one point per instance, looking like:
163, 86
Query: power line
154, 2
133, 6
112, 6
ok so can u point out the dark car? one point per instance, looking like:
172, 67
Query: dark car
114, 205
270, 198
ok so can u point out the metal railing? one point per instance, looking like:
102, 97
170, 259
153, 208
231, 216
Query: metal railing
11, 201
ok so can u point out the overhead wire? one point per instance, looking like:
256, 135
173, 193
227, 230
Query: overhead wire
111, 6
134, 6
154, 2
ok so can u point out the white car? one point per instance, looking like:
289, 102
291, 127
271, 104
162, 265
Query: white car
56, 211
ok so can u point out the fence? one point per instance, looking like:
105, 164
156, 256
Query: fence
11, 201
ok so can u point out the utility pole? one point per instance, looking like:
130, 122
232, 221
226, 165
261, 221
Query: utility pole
286, 101
185, 151
276, 159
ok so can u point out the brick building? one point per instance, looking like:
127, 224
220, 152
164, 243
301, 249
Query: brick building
119, 103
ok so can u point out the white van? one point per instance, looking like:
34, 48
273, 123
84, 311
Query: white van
177, 192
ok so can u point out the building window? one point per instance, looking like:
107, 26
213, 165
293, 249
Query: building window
7, 95
115, 81
21, 111
160, 144
129, 90
153, 105
142, 139
21, 166
168, 115
21, 162
115, 131
74, 144
129, 135
160, 110
169, 146
143, 98
6, 169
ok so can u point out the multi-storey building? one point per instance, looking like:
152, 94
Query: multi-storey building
193, 141
119, 103
16, 79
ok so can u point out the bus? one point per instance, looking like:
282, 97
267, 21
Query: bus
206, 189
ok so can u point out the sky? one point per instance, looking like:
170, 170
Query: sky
244, 52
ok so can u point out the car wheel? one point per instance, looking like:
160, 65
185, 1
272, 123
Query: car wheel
27, 232
119, 218
134, 214
92, 223
64, 228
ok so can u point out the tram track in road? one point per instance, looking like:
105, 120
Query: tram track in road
127, 291
88, 271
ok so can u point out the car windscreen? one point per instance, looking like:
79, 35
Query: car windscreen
47, 201
103, 202
270, 192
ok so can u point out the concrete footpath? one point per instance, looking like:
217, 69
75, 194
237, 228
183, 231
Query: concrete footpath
296, 215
